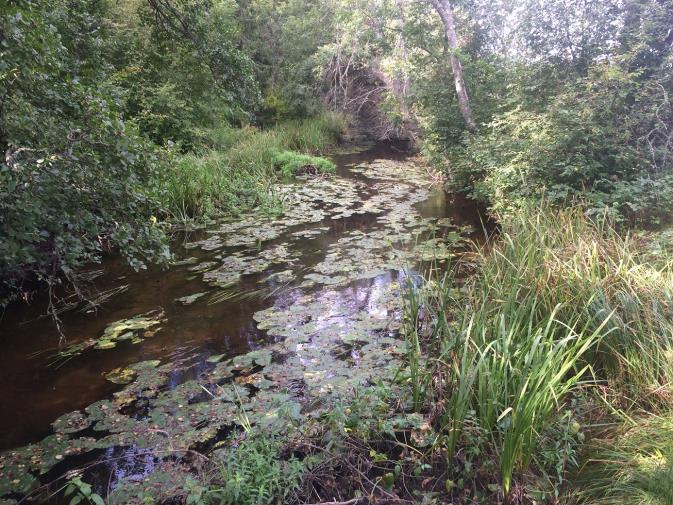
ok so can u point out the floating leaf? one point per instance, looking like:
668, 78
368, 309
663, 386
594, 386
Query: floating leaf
71, 423
189, 299
120, 375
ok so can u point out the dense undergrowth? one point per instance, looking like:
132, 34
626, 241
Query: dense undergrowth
567, 109
563, 326
239, 172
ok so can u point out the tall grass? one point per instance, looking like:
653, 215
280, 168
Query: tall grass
238, 173
633, 465
554, 301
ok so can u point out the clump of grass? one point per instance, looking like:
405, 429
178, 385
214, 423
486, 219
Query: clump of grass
501, 379
238, 173
555, 301
598, 274
223, 137
205, 185
292, 163
632, 466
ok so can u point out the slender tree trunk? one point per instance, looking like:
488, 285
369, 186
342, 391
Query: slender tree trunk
445, 11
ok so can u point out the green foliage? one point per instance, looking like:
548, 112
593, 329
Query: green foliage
76, 178
631, 466
585, 145
175, 80
80, 492
569, 109
239, 172
89, 91
256, 474
283, 40
291, 163
556, 297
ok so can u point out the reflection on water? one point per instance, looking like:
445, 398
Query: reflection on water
37, 394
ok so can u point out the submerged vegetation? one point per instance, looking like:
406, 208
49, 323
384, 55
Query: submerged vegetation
402, 357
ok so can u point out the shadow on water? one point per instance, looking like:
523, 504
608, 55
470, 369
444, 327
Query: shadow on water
36, 394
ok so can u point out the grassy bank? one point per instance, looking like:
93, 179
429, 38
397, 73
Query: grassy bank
238, 171
562, 324
631, 464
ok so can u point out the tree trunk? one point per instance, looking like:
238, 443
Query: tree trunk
445, 11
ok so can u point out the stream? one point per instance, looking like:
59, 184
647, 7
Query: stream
260, 321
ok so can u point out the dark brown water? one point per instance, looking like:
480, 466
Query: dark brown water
34, 393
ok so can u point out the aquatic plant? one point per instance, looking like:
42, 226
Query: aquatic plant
255, 473
134, 330
291, 163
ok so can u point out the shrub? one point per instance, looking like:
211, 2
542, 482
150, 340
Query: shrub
600, 141
255, 474
76, 177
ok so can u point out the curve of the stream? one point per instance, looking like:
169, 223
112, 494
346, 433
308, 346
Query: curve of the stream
261, 321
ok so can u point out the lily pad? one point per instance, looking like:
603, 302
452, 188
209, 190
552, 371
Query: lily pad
120, 375
189, 299
71, 423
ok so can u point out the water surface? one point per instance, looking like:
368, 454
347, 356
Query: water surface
316, 287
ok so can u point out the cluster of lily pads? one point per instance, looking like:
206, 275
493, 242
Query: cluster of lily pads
323, 354
400, 235
328, 341
134, 330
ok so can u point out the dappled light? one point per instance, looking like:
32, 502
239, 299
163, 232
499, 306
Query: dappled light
336, 252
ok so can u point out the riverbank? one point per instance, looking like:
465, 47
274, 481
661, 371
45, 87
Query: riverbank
232, 171
534, 366
543, 375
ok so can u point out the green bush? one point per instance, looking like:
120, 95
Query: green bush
601, 141
76, 178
